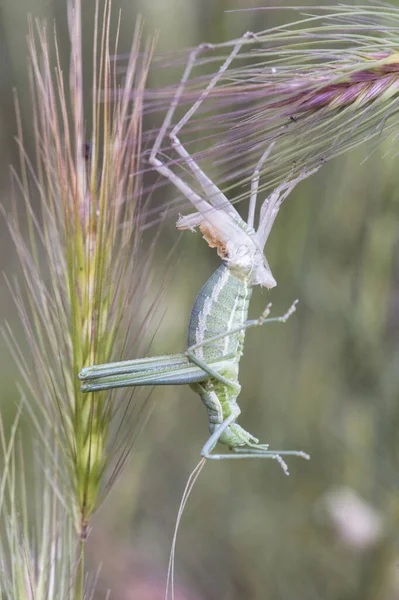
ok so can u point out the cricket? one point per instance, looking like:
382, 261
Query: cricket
219, 317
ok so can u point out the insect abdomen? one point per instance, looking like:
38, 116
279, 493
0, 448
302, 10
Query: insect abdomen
221, 305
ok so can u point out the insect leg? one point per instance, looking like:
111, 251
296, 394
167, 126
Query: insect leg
159, 370
255, 185
208, 369
237, 47
216, 197
169, 115
191, 195
212, 192
207, 450
199, 203
271, 205
264, 318
262, 449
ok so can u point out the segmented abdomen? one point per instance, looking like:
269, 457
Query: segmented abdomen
221, 305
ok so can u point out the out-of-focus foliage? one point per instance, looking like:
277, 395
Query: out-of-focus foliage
327, 382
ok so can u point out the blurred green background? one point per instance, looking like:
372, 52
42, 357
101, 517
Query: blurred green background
327, 382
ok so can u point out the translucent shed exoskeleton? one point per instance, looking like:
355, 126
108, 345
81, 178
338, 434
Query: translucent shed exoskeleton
219, 316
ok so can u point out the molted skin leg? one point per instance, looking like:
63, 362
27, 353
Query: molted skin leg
215, 198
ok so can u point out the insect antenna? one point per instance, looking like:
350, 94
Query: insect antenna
191, 481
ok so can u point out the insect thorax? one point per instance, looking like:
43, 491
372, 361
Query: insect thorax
221, 306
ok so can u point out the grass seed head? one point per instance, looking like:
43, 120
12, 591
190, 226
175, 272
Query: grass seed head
80, 265
315, 88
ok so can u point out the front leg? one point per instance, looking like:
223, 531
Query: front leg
264, 318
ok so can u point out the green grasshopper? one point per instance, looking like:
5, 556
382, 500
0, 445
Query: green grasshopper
219, 317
